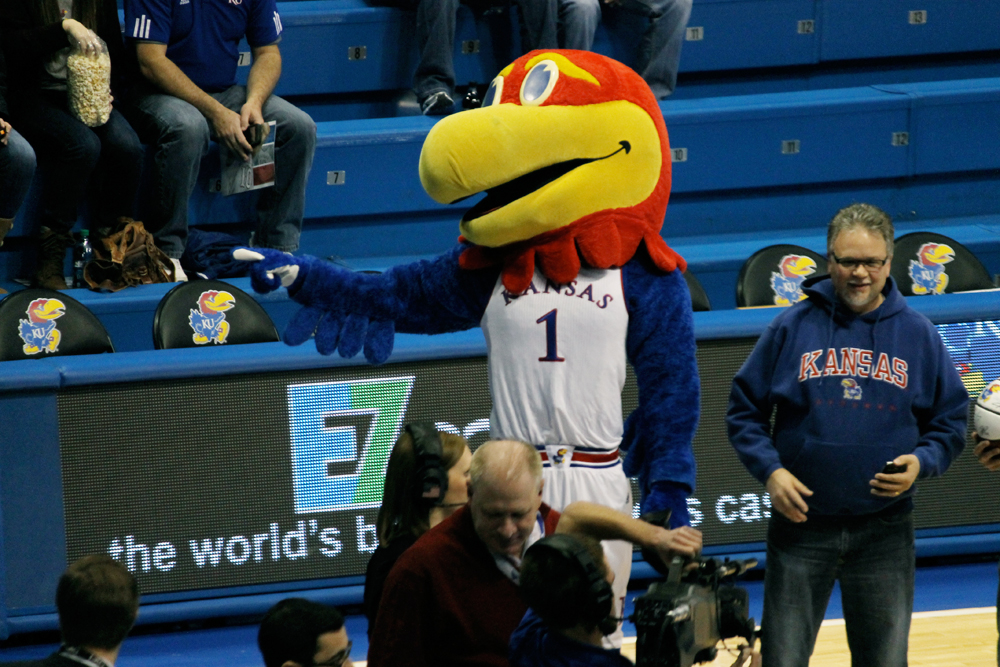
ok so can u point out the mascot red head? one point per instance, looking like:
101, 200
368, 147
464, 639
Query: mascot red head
572, 152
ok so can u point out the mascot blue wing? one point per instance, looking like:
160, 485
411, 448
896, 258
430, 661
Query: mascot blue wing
661, 347
430, 296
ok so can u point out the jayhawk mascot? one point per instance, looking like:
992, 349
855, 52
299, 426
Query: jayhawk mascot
561, 264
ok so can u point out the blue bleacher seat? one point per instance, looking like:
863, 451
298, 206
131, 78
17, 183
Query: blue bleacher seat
728, 35
855, 29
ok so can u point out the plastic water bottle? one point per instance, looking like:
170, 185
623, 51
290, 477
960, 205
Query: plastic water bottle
82, 253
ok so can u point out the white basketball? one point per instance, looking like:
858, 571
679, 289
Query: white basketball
987, 413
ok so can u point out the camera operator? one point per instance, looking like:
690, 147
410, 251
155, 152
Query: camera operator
566, 582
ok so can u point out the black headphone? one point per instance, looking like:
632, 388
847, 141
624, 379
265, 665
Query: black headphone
432, 478
600, 605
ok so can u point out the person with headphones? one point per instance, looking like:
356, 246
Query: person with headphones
566, 583
426, 480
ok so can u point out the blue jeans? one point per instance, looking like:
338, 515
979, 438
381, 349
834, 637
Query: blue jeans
69, 153
873, 558
660, 49
180, 138
435, 29
17, 165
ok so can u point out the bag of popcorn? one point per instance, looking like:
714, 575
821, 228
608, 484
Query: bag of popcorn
88, 85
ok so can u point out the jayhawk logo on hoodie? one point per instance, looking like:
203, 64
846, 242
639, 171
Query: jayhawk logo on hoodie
787, 281
927, 271
209, 321
39, 331
852, 390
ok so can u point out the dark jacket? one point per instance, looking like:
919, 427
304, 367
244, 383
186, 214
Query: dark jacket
849, 392
534, 644
447, 603
379, 567
29, 43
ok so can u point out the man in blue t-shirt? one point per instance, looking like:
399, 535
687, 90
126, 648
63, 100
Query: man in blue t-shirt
188, 52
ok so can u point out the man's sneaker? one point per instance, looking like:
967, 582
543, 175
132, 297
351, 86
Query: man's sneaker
179, 275
437, 104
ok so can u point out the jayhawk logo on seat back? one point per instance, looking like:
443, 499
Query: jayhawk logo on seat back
209, 321
787, 281
39, 331
927, 271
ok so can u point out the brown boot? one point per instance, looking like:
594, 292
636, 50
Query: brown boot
51, 260
6, 224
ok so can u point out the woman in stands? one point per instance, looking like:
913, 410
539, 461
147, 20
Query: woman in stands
404, 515
38, 36
17, 162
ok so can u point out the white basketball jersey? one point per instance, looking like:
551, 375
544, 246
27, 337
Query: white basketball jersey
557, 360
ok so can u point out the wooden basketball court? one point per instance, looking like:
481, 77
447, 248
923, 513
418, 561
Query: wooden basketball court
951, 638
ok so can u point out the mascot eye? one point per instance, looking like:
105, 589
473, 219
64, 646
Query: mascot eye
493, 93
539, 83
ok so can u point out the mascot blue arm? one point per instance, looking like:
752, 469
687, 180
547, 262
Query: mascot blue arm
349, 311
660, 346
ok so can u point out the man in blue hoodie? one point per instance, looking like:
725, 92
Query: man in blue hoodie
854, 379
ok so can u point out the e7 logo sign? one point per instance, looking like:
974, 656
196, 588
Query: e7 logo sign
341, 436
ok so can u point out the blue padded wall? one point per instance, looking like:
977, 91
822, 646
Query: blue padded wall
957, 123
734, 143
854, 29
737, 34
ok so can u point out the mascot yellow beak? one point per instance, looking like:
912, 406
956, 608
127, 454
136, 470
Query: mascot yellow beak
543, 167
545, 160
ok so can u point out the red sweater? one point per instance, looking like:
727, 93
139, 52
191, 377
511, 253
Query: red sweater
446, 602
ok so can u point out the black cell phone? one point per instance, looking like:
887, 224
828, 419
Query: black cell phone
891, 468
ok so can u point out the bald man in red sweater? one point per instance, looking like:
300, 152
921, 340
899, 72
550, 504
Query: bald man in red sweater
452, 598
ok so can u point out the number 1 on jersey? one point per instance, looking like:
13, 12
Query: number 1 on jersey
550, 336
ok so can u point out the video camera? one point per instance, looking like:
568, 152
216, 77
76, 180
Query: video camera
680, 620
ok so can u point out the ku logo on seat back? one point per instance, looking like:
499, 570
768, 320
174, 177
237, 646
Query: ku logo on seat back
209, 320
927, 271
787, 281
39, 331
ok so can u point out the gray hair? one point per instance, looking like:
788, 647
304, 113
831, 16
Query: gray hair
499, 461
861, 216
